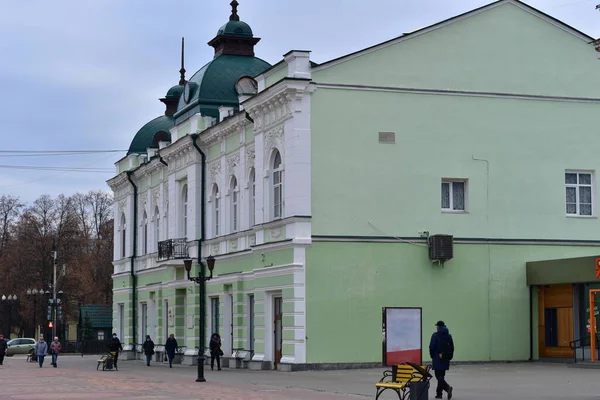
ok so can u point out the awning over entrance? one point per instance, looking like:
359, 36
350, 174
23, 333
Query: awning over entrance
565, 270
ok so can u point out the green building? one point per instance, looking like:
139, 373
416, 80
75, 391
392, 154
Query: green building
320, 189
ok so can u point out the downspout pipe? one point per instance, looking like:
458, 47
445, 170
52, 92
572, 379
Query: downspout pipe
531, 287
133, 255
202, 236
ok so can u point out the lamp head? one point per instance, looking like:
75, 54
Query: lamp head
29, 291
187, 263
210, 262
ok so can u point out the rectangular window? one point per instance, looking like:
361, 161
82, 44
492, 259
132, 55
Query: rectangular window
122, 322
144, 321
252, 204
251, 322
217, 216
551, 327
277, 194
234, 221
214, 313
454, 194
579, 193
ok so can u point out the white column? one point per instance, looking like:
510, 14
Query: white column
194, 182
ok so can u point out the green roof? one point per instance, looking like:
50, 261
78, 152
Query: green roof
100, 316
175, 92
214, 84
144, 138
235, 28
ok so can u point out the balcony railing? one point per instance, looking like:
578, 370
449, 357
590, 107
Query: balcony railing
172, 249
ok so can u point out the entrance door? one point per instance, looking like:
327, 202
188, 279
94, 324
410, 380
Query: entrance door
556, 325
277, 330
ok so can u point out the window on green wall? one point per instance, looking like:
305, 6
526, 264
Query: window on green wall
579, 193
214, 314
454, 195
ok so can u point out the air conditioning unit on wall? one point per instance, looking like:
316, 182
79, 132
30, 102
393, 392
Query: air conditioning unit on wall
441, 247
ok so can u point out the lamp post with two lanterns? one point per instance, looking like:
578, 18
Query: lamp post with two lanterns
35, 293
10, 299
201, 279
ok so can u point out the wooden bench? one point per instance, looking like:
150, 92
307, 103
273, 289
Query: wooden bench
401, 378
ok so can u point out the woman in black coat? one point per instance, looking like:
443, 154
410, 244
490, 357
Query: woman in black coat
148, 347
170, 348
215, 351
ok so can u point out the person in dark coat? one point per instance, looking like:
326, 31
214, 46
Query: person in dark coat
439, 365
171, 347
148, 348
215, 351
3, 348
115, 346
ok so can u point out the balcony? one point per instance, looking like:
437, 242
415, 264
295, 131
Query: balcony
173, 249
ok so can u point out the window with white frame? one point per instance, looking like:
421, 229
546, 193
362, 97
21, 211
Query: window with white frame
235, 204
145, 238
277, 185
214, 314
579, 193
156, 226
123, 235
454, 193
184, 209
252, 196
216, 210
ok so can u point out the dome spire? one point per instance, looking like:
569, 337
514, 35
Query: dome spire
234, 15
182, 70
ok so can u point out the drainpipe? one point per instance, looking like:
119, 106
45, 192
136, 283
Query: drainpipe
531, 323
162, 161
202, 235
133, 255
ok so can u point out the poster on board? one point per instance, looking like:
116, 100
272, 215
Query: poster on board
402, 335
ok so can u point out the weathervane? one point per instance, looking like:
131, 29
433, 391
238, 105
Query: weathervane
182, 70
234, 15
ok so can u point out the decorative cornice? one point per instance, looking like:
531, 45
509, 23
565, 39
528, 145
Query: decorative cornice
227, 127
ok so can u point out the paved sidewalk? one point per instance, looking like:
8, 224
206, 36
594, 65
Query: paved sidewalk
77, 378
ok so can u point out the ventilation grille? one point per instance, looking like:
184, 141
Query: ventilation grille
387, 137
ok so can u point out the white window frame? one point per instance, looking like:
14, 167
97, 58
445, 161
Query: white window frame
123, 236
184, 210
450, 182
252, 197
277, 208
145, 234
216, 197
234, 193
577, 185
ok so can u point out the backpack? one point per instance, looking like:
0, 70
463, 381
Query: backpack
446, 347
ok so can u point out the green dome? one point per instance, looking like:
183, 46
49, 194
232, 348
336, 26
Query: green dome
151, 133
214, 84
235, 28
175, 92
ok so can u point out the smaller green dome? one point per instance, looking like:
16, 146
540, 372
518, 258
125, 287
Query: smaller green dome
235, 28
151, 133
175, 92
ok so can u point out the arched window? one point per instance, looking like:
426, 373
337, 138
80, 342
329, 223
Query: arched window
145, 243
123, 235
277, 185
156, 226
216, 213
235, 204
184, 209
252, 196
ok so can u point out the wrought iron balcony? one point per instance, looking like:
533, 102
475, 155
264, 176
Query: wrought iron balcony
173, 249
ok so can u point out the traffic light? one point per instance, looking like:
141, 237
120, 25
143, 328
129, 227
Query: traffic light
50, 324
49, 315
59, 312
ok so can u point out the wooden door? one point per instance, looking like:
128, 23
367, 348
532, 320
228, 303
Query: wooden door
555, 314
277, 330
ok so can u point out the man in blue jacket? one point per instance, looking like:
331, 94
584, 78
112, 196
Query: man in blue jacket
441, 350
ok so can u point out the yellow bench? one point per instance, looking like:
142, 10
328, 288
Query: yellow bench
402, 376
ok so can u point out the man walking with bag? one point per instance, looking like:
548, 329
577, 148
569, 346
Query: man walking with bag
441, 350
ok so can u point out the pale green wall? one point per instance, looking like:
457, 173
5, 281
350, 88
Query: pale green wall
250, 134
214, 151
481, 295
277, 74
501, 50
396, 187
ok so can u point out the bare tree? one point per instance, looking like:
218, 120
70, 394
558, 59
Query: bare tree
10, 208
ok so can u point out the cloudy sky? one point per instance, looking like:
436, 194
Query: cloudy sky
87, 74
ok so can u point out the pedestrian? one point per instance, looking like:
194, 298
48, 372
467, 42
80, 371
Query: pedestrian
441, 350
41, 348
55, 348
114, 346
3, 348
148, 347
170, 347
215, 351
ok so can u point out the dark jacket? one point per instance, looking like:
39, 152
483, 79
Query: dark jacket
214, 346
148, 347
171, 345
435, 349
3, 346
115, 344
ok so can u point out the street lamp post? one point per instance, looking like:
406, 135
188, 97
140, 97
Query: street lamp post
10, 299
54, 291
201, 280
35, 293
